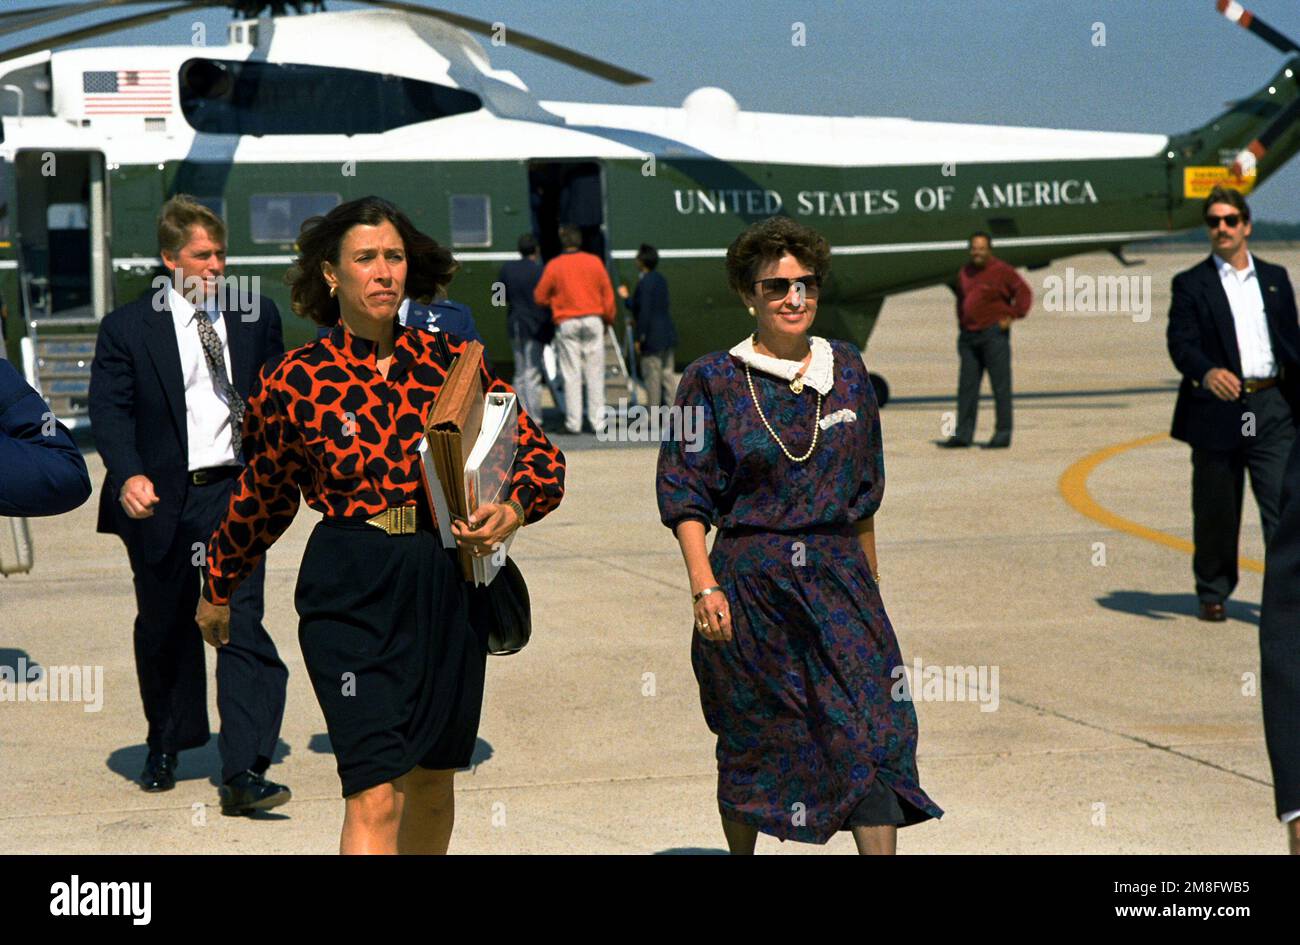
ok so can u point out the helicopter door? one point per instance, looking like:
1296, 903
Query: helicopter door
568, 192
62, 224
574, 192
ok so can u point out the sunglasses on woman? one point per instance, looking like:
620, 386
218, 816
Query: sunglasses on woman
1232, 219
778, 287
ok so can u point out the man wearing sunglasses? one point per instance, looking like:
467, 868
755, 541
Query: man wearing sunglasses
990, 295
1233, 336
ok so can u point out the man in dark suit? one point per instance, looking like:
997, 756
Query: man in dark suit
655, 336
528, 323
1233, 336
1279, 654
167, 389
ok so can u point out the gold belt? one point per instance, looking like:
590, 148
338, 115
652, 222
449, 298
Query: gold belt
396, 520
1254, 384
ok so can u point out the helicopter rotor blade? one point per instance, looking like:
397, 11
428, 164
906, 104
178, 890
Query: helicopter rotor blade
31, 12
534, 44
1238, 14
17, 20
100, 29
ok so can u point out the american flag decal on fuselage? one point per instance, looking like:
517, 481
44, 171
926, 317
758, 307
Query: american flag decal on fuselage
128, 92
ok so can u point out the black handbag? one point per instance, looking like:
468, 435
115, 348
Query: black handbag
501, 611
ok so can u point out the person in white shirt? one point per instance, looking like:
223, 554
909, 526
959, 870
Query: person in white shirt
167, 389
1233, 336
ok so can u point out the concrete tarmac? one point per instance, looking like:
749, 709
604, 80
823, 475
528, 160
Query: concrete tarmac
1121, 723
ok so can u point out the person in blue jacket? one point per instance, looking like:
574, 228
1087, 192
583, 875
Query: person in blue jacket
454, 318
655, 334
428, 308
41, 470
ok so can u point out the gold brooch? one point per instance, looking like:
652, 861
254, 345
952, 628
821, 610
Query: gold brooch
796, 385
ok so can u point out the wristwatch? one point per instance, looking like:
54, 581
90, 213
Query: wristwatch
519, 510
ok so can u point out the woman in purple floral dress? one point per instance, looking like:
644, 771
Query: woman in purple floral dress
797, 664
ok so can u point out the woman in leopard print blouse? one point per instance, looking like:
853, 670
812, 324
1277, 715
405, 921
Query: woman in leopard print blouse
383, 618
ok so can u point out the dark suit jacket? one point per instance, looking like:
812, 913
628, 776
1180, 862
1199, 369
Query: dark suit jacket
649, 306
525, 319
41, 469
1279, 644
452, 317
137, 408
1201, 335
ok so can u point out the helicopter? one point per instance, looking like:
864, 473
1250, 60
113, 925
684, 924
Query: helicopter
303, 108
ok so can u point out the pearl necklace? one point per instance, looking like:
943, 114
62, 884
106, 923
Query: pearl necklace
816, 422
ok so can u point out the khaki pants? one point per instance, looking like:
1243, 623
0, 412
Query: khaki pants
580, 351
660, 381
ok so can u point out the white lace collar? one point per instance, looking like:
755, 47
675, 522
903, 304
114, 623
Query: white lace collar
820, 375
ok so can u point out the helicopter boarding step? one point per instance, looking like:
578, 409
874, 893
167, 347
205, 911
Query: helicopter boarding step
57, 355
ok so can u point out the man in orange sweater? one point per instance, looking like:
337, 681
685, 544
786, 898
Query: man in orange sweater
576, 288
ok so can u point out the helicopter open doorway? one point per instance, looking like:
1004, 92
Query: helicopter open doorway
62, 236
61, 228
568, 192
561, 192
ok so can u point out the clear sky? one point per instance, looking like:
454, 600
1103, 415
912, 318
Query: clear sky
1166, 66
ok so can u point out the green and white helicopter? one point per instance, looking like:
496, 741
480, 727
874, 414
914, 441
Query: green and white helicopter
300, 110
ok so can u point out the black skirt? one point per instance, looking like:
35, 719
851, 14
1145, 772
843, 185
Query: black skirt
397, 668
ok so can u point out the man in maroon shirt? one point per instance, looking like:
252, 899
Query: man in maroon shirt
990, 295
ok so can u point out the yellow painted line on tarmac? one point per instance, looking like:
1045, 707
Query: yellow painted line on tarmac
1074, 489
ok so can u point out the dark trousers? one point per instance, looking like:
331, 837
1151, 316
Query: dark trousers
169, 658
980, 351
1279, 645
1218, 477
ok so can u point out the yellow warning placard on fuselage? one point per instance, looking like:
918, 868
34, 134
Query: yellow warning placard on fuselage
1199, 181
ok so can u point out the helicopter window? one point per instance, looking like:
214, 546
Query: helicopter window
67, 216
26, 91
269, 98
276, 218
471, 220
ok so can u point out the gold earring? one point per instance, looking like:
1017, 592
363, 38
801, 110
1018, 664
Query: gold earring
333, 289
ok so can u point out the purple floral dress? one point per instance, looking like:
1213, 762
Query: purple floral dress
801, 698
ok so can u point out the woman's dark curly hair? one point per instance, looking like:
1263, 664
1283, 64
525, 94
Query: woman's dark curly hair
429, 265
769, 240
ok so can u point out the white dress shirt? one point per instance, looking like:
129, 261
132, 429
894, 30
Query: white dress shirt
1246, 300
207, 414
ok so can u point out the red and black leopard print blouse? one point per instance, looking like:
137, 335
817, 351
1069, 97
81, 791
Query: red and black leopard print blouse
323, 420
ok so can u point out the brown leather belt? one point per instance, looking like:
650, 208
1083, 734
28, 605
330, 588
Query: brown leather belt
1254, 384
397, 519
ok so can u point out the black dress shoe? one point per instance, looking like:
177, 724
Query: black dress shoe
954, 443
1000, 441
1212, 612
159, 772
249, 792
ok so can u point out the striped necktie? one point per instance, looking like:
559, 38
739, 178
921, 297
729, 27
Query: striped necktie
211, 342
